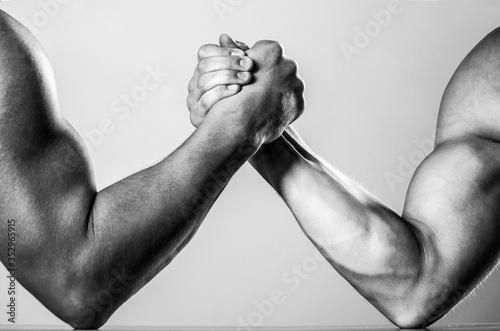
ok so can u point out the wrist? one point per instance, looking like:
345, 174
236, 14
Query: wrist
231, 131
280, 165
277, 156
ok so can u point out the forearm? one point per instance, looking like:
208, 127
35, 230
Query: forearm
138, 225
373, 248
164, 204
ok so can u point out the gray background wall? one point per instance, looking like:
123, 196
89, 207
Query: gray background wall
370, 114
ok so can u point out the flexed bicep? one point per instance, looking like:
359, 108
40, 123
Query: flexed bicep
47, 182
453, 202
417, 266
454, 196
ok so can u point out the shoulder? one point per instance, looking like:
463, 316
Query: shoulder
470, 104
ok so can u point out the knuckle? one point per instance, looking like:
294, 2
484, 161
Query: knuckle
191, 85
301, 87
203, 50
217, 91
271, 45
276, 44
274, 51
224, 76
227, 63
291, 67
202, 65
202, 81
226, 51
194, 119
220, 92
277, 48
203, 104
215, 94
260, 43
229, 76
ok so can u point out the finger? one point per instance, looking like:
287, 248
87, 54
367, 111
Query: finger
195, 119
200, 109
242, 45
214, 50
216, 63
226, 41
208, 81
219, 63
210, 98
192, 83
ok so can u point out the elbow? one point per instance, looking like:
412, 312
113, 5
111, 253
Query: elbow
85, 320
86, 302
83, 323
418, 314
78, 301
411, 320
92, 292
79, 314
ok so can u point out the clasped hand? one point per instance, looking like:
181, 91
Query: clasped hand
257, 90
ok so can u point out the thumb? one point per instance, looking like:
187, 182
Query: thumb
227, 41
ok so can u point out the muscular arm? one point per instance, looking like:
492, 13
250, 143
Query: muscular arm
80, 252
74, 243
416, 266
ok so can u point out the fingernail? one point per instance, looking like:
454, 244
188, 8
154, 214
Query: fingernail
243, 75
237, 52
233, 87
242, 44
246, 62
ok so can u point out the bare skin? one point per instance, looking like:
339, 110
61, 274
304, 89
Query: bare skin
416, 266
83, 253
